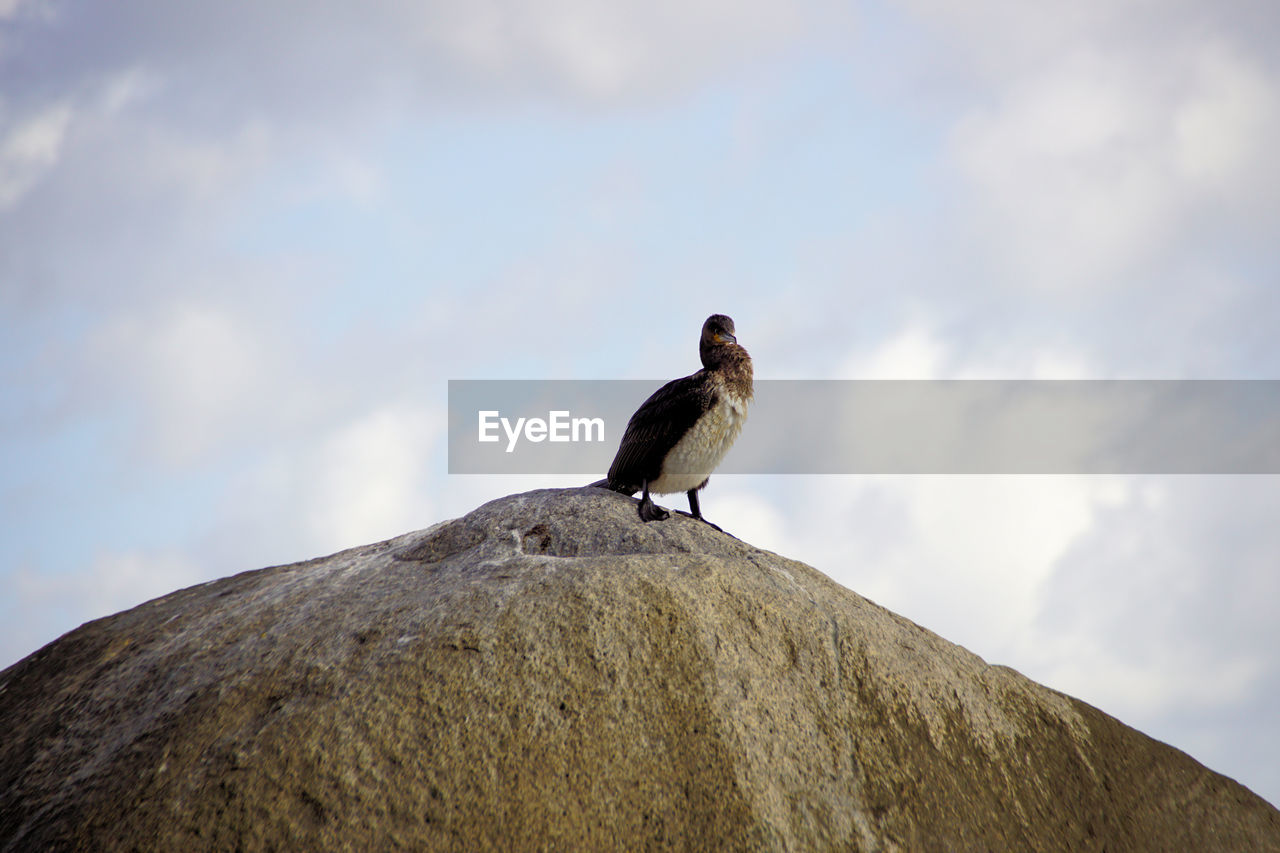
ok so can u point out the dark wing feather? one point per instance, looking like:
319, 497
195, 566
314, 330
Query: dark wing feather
656, 427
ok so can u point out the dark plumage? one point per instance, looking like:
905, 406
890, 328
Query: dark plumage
679, 435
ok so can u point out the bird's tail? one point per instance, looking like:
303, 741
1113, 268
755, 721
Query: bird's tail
616, 487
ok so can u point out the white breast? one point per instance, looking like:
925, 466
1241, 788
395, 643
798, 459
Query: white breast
698, 453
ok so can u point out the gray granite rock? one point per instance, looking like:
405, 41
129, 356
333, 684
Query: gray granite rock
549, 673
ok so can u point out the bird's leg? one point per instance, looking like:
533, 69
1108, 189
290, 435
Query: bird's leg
648, 511
695, 512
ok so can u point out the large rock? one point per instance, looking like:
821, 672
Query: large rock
550, 673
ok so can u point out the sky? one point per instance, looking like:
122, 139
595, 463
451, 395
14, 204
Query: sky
244, 246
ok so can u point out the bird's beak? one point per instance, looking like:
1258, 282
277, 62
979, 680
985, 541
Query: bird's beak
725, 338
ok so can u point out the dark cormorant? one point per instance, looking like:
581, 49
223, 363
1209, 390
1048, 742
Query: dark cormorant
679, 435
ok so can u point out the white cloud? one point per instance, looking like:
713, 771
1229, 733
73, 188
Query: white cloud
198, 371
1090, 162
1151, 598
360, 482
356, 482
1141, 691
1094, 585
1226, 125
285, 58
29, 148
605, 51
9, 8
1162, 614
1068, 176
199, 168
968, 557
128, 88
744, 512
39, 605
369, 478
916, 352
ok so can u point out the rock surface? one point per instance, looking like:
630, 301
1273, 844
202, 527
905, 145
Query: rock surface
549, 673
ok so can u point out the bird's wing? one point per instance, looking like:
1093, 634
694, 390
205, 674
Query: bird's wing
655, 428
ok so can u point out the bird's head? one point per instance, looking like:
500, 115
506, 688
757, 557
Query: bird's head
718, 342
718, 330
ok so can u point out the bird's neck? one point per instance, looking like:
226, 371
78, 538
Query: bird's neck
731, 360
714, 355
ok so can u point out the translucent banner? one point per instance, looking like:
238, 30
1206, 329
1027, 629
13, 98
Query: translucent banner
891, 427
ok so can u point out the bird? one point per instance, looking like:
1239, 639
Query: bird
681, 433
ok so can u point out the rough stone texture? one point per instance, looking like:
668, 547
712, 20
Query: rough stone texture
549, 673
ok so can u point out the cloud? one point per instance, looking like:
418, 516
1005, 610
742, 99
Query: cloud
1174, 571
1224, 125
1094, 166
918, 350
363, 480
604, 51
198, 369
207, 372
10, 8
299, 59
913, 353
29, 148
730, 503
359, 480
967, 557
370, 477
39, 605
1102, 185
1162, 614
1148, 597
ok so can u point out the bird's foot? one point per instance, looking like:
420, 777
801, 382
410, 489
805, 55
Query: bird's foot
649, 511
703, 520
